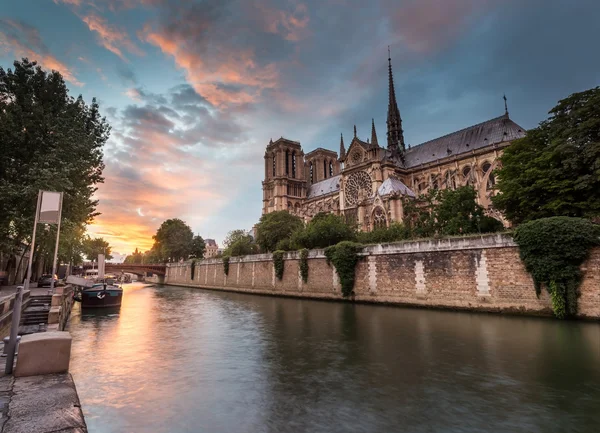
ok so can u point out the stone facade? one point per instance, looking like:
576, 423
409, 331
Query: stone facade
367, 182
474, 273
212, 249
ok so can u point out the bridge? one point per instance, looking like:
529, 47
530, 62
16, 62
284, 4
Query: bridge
143, 269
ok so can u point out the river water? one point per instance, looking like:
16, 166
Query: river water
189, 360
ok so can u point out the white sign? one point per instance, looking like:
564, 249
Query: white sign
50, 207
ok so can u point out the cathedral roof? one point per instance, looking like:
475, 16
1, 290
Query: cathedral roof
324, 187
493, 131
391, 185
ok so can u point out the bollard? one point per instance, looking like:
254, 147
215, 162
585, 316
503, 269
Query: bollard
6, 340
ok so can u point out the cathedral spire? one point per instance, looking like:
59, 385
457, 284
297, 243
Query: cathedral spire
505, 106
374, 142
355, 131
395, 134
342, 148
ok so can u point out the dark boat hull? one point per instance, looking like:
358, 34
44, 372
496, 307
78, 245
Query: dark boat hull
99, 298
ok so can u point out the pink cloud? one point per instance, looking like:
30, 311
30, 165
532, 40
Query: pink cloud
429, 25
292, 26
25, 41
110, 37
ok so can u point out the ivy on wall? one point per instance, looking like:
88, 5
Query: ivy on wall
226, 265
304, 264
344, 257
192, 269
278, 264
553, 249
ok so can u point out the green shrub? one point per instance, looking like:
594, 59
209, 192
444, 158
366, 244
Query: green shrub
304, 264
344, 257
192, 268
395, 232
278, 264
553, 250
284, 245
226, 265
322, 231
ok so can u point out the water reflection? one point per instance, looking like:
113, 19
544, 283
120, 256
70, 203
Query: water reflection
187, 360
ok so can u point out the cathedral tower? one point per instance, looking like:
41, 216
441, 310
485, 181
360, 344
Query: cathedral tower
284, 186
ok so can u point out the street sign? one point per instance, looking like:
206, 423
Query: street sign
49, 211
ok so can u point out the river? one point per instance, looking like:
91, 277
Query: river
188, 360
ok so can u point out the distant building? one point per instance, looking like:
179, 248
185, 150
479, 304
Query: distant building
212, 249
367, 182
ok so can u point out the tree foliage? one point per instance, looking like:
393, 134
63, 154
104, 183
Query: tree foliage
134, 258
553, 250
448, 213
239, 243
278, 264
395, 232
304, 264
344, 257
198, 247
323, 230
173, 240
555, 169
92, 247
275, 227
51, 141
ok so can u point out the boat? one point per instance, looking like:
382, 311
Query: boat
101, 295
96, 294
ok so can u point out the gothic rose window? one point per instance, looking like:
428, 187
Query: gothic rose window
379, 218
357, 182
356, 157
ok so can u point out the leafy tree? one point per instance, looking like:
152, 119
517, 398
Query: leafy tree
275, 227
447, 213
48, 140
134, 258
93, 247
239, 243
324, 230
173, 240
555, 169
198, 247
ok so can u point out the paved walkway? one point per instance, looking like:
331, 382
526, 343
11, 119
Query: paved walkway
35, 290
40, 404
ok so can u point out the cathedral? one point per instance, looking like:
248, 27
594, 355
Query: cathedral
367, 181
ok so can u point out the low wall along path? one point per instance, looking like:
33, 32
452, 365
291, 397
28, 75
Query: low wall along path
481, 273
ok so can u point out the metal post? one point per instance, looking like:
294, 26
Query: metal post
16, 317
56, 247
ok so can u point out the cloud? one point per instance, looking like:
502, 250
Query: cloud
25, 41
110, 37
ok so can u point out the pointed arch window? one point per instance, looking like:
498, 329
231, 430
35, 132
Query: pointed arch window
294, 164
274, 165
330, 168
287, 162
324, 169
310, 168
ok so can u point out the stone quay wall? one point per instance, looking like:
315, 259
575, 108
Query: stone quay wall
482, 273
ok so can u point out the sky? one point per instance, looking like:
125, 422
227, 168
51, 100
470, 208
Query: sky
194, 90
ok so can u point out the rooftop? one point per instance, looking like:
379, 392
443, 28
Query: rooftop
324, 187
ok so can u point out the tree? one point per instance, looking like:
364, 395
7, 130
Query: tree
324, 230
275, 227
134, 258
173, 240
48, 140
239, 243
447, 213
93, 247
198, 247
555, 169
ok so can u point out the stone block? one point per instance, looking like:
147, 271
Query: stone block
54, 315
56, 300
43, 353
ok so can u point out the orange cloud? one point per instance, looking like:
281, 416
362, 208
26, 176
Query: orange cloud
111, 38
291, 25
26, 42
235, 67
